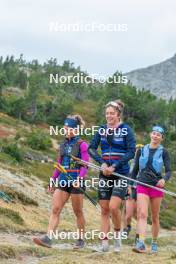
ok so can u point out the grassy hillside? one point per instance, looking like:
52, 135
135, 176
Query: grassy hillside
12, 131
25, 180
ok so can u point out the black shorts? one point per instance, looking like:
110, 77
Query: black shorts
109, 186
71, 189
133, 195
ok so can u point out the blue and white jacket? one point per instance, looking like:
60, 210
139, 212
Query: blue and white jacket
118, 152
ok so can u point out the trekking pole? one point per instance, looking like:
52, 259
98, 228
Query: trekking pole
93, 166
63, 170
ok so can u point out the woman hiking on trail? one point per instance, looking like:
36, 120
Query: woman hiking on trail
131, 203
149, 163
117, 145
72, 145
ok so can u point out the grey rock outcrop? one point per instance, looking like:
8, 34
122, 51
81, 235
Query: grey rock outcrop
160, 78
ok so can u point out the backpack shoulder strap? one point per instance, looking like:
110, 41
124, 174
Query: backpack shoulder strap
61, 148
76, 147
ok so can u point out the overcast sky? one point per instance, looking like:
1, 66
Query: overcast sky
150, 38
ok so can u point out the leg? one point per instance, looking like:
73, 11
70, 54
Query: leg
155, 210
105, 224
130, 208
104, 194
59, 199
77, 204
123, 214
142, 213
135, 210
114, 207
135, 217
105, 216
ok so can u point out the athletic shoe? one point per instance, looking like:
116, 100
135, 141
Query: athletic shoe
140, 247
44, 241
104, 247
154, 248
79, 244
117, 245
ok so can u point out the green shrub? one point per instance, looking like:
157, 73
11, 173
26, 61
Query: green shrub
39, 141
172, 136
13, 150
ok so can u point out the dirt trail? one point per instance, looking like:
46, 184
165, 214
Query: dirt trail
20, 247
64, 253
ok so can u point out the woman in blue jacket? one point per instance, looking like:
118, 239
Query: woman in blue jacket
117, 145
